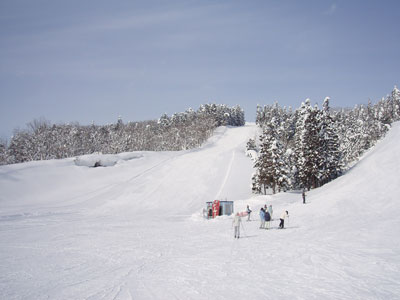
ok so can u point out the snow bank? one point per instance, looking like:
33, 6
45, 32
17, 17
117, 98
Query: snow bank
104, 160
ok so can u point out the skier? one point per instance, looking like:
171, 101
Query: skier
262, 218
248, 213
283, 216
267, 218
304, 196
270, 211
236, 222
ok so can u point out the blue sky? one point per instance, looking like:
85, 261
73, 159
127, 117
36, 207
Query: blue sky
87, 61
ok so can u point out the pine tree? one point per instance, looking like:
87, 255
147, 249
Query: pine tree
307, 144
3, 152
331, 161
251, 145
271, 168
395, 98
256, 184
264, 164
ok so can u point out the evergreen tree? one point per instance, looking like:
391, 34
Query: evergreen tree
264, 164
395, 100
331, 161
307, 144
251, 145
271, 168
3, 152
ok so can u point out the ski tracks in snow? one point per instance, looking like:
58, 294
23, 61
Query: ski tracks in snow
111, 189
228, 171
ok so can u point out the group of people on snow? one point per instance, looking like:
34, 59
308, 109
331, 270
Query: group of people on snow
266, 216
266, 213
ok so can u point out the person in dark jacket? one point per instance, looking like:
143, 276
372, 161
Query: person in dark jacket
267, 218
262, 218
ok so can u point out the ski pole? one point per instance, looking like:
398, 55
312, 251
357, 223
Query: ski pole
244, 231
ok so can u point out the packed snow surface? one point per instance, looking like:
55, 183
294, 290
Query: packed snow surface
134, 230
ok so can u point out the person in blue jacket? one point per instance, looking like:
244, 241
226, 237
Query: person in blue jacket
262, 218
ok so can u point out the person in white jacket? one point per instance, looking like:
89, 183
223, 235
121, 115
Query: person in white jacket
270, 210
248, 213
236, 224
282, 218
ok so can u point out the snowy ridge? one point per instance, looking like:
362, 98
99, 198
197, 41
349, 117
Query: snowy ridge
134, 230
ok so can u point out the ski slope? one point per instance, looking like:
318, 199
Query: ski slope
135, 231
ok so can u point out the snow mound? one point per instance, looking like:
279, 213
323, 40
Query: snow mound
104, 160
252, 154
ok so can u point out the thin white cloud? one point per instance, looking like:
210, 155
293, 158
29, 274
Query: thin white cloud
332, 9
137, 21
132, 20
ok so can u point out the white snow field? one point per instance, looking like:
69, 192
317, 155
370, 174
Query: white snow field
134, 230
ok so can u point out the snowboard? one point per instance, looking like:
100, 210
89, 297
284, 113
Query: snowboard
243, 213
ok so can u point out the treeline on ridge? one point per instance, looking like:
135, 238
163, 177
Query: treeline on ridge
181, 131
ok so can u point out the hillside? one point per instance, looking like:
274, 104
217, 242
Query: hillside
134, 230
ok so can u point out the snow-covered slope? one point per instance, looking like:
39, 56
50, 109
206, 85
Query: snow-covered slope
134, 230
169, 182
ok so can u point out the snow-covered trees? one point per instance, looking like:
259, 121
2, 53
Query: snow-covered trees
187, 130
3, 152
310, 146
307, 142
331, 164
271, 168
251, 145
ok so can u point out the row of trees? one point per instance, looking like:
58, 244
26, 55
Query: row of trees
310, 146
187, 130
